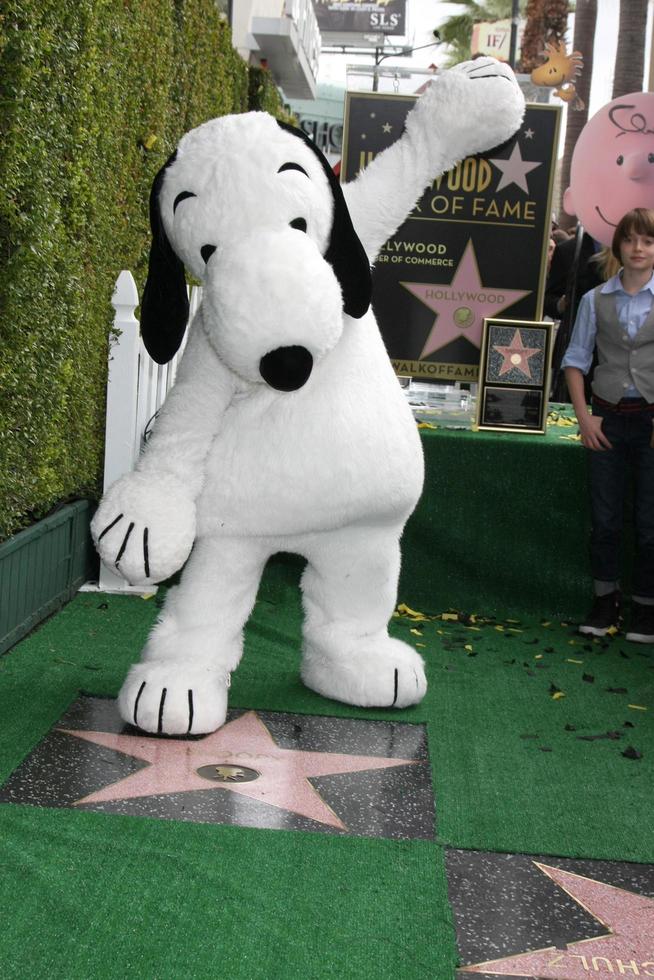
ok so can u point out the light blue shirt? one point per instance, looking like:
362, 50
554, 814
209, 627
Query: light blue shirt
632, 313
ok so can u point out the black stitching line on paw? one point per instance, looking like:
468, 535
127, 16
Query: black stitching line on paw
136, 703
146, 553
109, 526
161, 710
396, 687
124, 544
190, 712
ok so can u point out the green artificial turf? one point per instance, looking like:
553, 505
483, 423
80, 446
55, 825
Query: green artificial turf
97, 895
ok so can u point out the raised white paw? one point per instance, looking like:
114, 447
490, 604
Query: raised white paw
145, 527
390, 676
173, 698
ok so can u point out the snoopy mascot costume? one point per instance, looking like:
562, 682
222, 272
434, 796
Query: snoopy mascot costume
286, 429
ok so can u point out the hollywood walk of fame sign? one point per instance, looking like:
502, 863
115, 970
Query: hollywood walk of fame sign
514, 375
474, 247
261, 769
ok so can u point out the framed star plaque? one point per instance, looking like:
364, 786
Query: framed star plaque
514, 375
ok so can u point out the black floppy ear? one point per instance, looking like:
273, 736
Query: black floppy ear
164, 307
345, 253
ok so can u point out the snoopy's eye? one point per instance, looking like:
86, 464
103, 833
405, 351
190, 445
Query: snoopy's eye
182, 197
620, 160
650, 157
292, 166
298, 223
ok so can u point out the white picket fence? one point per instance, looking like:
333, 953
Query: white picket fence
136, 390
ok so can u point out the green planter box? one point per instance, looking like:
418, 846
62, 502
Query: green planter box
42, 568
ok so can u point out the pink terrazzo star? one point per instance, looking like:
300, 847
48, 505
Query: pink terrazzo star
244, 742
626, 951
516, 355
461, 306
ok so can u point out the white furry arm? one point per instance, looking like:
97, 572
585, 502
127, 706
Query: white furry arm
191, 415
466, 110
145, 524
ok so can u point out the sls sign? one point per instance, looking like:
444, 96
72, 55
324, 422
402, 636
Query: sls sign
360, 17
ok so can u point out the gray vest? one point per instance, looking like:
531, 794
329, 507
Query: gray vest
622, 362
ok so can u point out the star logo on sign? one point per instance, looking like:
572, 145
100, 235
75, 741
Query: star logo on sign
626, 950
241, 757
516, 356
461, 306
529, 134
387, 127
514, 170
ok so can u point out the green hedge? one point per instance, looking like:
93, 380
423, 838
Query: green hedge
94, 94
263, 95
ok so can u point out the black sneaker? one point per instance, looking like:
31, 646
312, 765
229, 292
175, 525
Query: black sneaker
641, 629
604, 614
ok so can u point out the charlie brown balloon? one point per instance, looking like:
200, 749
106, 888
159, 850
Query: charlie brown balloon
612, 168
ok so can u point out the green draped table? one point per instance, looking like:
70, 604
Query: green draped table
503, 522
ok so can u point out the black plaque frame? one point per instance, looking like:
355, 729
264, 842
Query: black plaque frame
514, 375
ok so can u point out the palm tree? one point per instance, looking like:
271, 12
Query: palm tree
546, 20
584, 40
630, 57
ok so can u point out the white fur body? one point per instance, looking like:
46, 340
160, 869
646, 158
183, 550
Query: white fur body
332, 469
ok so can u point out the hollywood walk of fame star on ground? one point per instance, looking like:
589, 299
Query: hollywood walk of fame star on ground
284, 773
628, 917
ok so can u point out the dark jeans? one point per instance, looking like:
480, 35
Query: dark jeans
630, 434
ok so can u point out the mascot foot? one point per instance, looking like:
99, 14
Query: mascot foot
390, 676
174, 698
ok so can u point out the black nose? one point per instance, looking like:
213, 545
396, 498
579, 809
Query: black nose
207, 251
286, 368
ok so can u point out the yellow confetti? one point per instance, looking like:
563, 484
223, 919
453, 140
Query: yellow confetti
150, 141
421, 644
612, 630
572, 643
477, 628
539, 656
546, 623
569, 661
513, 620
468, 646
637, 707
512, 629
426, 425
405, 610
454, 616
500, 629
473, 618
416, 632
557, 695
149, 595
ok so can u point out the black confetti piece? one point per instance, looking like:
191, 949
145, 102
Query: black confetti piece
571, 728
616, 690
589, 678
628, 724
631, 753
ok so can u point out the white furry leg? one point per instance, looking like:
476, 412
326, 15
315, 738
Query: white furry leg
180, 686
350, 588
